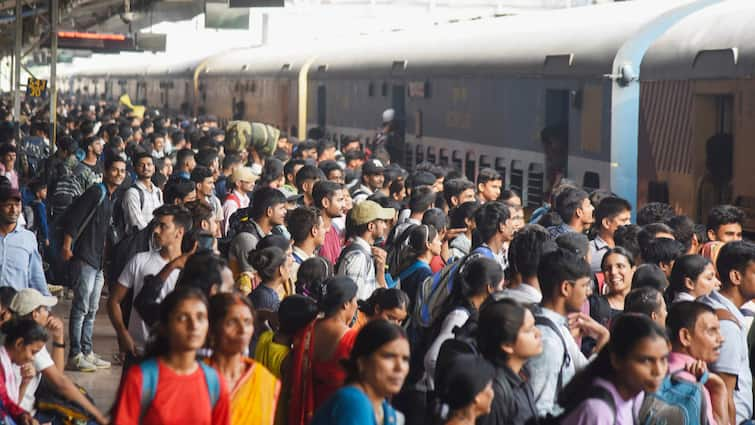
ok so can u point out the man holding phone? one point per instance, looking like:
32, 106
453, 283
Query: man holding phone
173, 221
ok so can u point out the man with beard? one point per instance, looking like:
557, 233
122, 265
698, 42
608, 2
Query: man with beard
328, 197
141, 199
22, 267
88, 223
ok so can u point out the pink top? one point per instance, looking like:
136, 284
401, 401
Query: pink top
332, 246
677, 361
594, 411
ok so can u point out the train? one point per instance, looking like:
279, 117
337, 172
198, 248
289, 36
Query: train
652, 100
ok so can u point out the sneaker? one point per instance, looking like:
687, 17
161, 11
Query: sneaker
81, 364
97, 361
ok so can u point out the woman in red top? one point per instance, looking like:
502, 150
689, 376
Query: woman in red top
316, 371
23, 339
171, 387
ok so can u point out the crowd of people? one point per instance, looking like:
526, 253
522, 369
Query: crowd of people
253, 278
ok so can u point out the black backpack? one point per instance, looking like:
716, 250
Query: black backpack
119, 216
127, 248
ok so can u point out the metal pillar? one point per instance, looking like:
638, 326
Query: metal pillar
53, 86
625, 98
17, 65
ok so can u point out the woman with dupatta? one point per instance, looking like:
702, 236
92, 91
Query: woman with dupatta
254, 389
316, 364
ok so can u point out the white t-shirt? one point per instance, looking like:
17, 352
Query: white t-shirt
41, 361
144, 264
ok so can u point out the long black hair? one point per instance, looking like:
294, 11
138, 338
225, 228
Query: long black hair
500, 324
159, 343
373, 335
386, 299
627, 332
688, 266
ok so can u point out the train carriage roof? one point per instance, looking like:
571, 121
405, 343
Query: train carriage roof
574, 42
578, 42
715, 42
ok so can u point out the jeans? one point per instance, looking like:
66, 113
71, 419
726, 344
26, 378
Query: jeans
86, 300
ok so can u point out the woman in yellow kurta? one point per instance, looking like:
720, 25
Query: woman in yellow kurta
254, 389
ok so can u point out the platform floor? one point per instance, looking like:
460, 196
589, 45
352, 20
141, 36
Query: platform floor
103, 384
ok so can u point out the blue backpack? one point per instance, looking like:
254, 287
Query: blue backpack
677, 402
150, 375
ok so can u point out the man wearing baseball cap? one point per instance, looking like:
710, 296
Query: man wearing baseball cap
30, 304
22, 265
362, 261
372, 180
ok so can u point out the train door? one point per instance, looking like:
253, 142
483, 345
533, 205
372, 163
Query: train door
398, 103
714, 156
555, 136
321, 106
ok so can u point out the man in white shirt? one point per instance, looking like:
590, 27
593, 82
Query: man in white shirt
141, 199
173, 222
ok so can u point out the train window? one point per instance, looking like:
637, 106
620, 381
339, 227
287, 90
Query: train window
427, 90
420, 154
399, 66
485, 162
456, 160
517, 176
500, 166
384, 89
443, 157
371, 89
253, 87
470, 166
409, 155
535, 183
431, 157
658, 192
418, 124
591, 181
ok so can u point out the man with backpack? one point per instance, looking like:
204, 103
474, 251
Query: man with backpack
695, 333
89, 170
242, 180
143, 197
267, 210
565, 282
736, 268
87, 224
173, 222
360, 260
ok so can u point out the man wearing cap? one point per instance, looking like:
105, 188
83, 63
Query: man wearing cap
362, 261
242, 180
372, 180
21, 265
30, 304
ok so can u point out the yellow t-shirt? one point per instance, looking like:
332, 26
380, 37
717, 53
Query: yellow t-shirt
270, 354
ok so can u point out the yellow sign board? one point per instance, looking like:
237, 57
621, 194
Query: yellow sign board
36, 88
